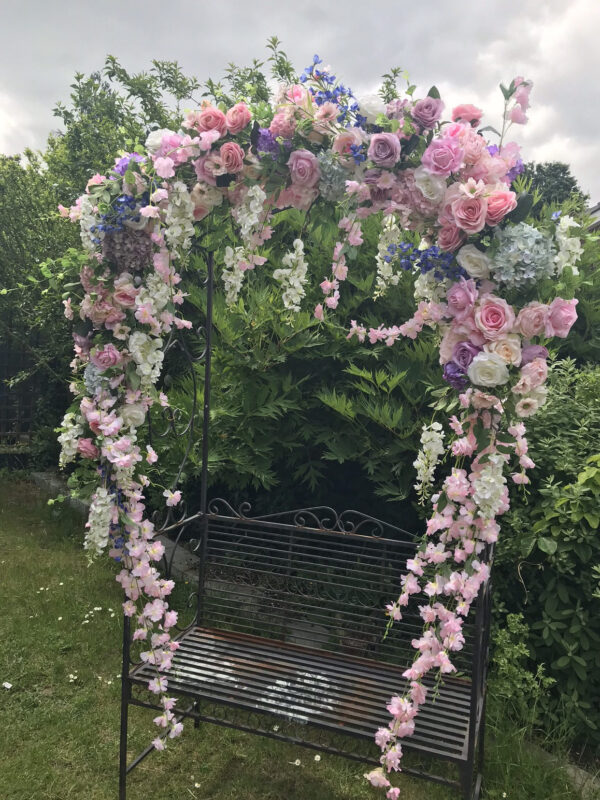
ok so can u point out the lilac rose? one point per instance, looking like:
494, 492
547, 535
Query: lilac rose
384, 149
455, 376
443, 156
532, 351
426, 112
464, 353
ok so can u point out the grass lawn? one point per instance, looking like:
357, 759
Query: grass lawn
61, 624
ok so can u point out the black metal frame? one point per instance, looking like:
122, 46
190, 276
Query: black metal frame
293, 557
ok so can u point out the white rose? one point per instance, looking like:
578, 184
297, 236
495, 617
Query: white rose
132, 414
488, 369
508, 348
154, 139
473, 261
432, 187
370, 106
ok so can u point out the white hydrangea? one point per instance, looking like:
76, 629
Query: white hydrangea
432, 449
428, 287
293, 278
489, 487
154, 140
72, 429
148, 355
179, 228
569, 247
98, 524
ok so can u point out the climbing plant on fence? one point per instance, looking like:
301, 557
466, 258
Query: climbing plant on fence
268, 186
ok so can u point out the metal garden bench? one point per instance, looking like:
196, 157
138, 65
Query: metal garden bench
288, 642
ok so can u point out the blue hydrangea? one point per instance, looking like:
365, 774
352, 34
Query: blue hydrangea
332, 185
524, 256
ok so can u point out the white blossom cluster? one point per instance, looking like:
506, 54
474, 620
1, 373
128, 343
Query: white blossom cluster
432, 449
293, 278
179, 227
232, 275
428, 287
72, 429
569, 247
87, 220
154, 295
148, 355
386, 276
98, 525
249, 213
489, 487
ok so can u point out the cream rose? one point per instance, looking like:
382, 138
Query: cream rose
488, 369
474, 261
432, 187
508, 348
132, 414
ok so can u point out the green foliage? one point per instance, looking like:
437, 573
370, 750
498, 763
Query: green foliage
547, 560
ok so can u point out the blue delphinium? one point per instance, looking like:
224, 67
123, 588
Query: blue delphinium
524, 256
443, 265
324, 89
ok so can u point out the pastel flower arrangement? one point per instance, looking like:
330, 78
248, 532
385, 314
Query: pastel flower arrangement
402, 164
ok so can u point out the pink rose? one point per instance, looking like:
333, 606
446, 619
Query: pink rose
469, 212
443, 156
467, 113
237, 118
207, 168
500, 203
212, 119
108, 357
384, 149
232, 157
304, 168
450, 238
87, 448
561, 316
532, 319
494, 317
283, 124
461, 298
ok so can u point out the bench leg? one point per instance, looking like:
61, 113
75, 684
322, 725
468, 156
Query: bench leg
123, 749
196, 721
465, 772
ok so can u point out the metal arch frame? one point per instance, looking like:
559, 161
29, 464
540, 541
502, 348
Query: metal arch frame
349, 525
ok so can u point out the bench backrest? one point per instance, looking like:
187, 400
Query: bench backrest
312, 578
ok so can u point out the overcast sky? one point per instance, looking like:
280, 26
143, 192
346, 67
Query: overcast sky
466, 48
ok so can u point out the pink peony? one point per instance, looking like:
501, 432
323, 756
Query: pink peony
494, 317
450, 238
467, 113
87, 448
283, 124
212, 119
561, 316
443, 156
232, 157
469, 212
500, 203
237, 118
532, 319
384, 149
304, 168
106, 358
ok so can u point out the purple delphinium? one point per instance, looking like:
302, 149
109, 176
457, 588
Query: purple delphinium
464, 353
455, 376
122, 164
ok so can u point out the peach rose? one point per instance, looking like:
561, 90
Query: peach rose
499, 204
494, 317
532, 319
508, 348
232, 157
533, 375
212, 119
237, 118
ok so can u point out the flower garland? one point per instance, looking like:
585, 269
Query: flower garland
439, 180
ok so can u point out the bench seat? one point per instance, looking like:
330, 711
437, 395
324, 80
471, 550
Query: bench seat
303, 685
